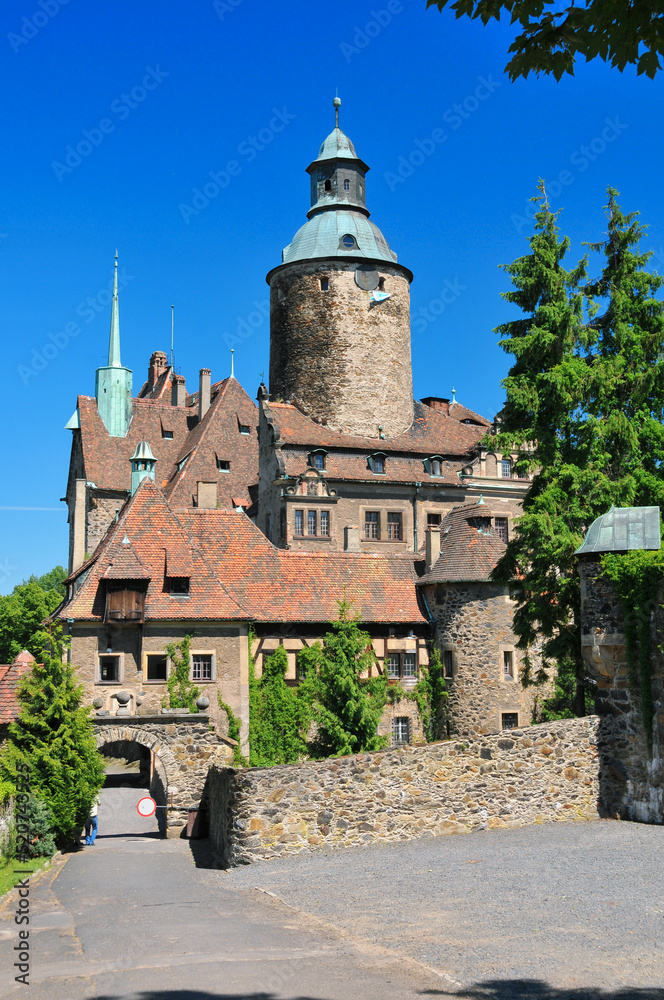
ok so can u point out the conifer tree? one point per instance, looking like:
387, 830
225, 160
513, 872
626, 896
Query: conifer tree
277, 726
346, 707
54, 740
583, 410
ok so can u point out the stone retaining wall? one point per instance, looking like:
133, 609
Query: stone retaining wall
531, 775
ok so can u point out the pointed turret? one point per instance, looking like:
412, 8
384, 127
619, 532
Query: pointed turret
113, 386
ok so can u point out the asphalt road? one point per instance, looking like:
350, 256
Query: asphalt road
134, 917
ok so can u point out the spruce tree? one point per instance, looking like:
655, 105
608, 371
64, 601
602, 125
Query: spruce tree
346, 707
277, 726
53, 739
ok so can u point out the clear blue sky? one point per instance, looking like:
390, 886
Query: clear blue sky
251, 83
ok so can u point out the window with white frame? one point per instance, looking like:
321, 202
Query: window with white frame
400, 665
299, 522
325, 523
393, 665
202, 666
506, 468
312, 518
401, 729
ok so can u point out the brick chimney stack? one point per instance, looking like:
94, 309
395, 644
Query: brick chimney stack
157, 367
203, 392
178, 390
432, 548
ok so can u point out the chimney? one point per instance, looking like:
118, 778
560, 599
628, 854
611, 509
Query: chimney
206, 494
157, 367
352, 538
178, 391
437, 403
203, 392
432, 548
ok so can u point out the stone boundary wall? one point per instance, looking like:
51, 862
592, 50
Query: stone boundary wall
536, 774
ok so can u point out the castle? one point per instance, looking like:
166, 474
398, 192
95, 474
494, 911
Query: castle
203, 513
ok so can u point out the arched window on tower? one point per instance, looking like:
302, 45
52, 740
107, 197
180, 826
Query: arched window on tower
346, 185
328, 185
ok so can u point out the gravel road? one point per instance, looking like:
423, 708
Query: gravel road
556, 911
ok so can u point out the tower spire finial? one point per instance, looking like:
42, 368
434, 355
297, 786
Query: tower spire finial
114, 338
337, 104
232, 362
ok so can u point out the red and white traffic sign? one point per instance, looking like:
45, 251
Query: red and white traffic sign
146, 807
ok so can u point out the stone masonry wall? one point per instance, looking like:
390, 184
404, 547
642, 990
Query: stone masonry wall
474, 621
539, 774
632, 778
339, 357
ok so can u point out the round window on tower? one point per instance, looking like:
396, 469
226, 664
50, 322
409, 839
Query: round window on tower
348, 242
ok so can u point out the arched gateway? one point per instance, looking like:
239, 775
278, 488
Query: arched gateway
182, 750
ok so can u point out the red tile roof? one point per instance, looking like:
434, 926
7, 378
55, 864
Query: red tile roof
10, 676
467, 554
237, 574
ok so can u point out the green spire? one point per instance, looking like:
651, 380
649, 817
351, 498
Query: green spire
114, 338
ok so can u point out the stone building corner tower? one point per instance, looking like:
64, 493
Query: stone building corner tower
340, 308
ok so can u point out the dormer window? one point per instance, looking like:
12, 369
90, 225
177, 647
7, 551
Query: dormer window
346, 185
167, 435
244, 429
348, 242
317, 460
377, 464
178, 586
223, 465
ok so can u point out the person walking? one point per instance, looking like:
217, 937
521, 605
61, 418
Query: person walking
91, 823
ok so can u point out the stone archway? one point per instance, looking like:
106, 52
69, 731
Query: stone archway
183, 749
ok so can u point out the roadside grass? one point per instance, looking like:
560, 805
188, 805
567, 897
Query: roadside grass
8, 872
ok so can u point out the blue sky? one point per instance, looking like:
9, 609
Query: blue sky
159, 98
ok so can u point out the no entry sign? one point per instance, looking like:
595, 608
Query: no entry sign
146, 807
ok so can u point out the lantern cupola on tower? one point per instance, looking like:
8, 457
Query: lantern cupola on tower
142, 465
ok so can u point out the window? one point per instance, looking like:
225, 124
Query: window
167, 435
379, 465
506, 468
372, 524
381, 284
324, 285
223, 465
346, 185
311, 522
328, 185
312, 488
409, 665
177, 586
481, 523
317, 460
508, 665
109, 669
155, 667
299, 522
245, 429
394, 526
509, 720
393, 665
347, 242
436, 467
201, 667
433, 520
401, 729
448, 663
125, 603
325, 523
501, 529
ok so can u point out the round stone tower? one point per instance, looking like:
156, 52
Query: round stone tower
340, 308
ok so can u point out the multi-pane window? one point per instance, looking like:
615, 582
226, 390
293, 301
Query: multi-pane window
318, 460
509, 720
448, 663
401, 729
501, 528
346, 185
325, 522
409, 665
508, 665
372, 524
399, 665
201, 667
109, 669
299, 522
393, 665
379, 464
394, 526
156, 667
506, 468
311, 522
178, 585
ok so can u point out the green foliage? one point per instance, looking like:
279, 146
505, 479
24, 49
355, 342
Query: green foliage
346, 707
53, 740
53, 580
625, 35
39, 822
430, 695
584, 407
22, 615
277, 726
234, 726
182, 692
637, 577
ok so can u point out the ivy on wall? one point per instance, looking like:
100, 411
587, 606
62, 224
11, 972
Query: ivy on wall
637, 577
182, 692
